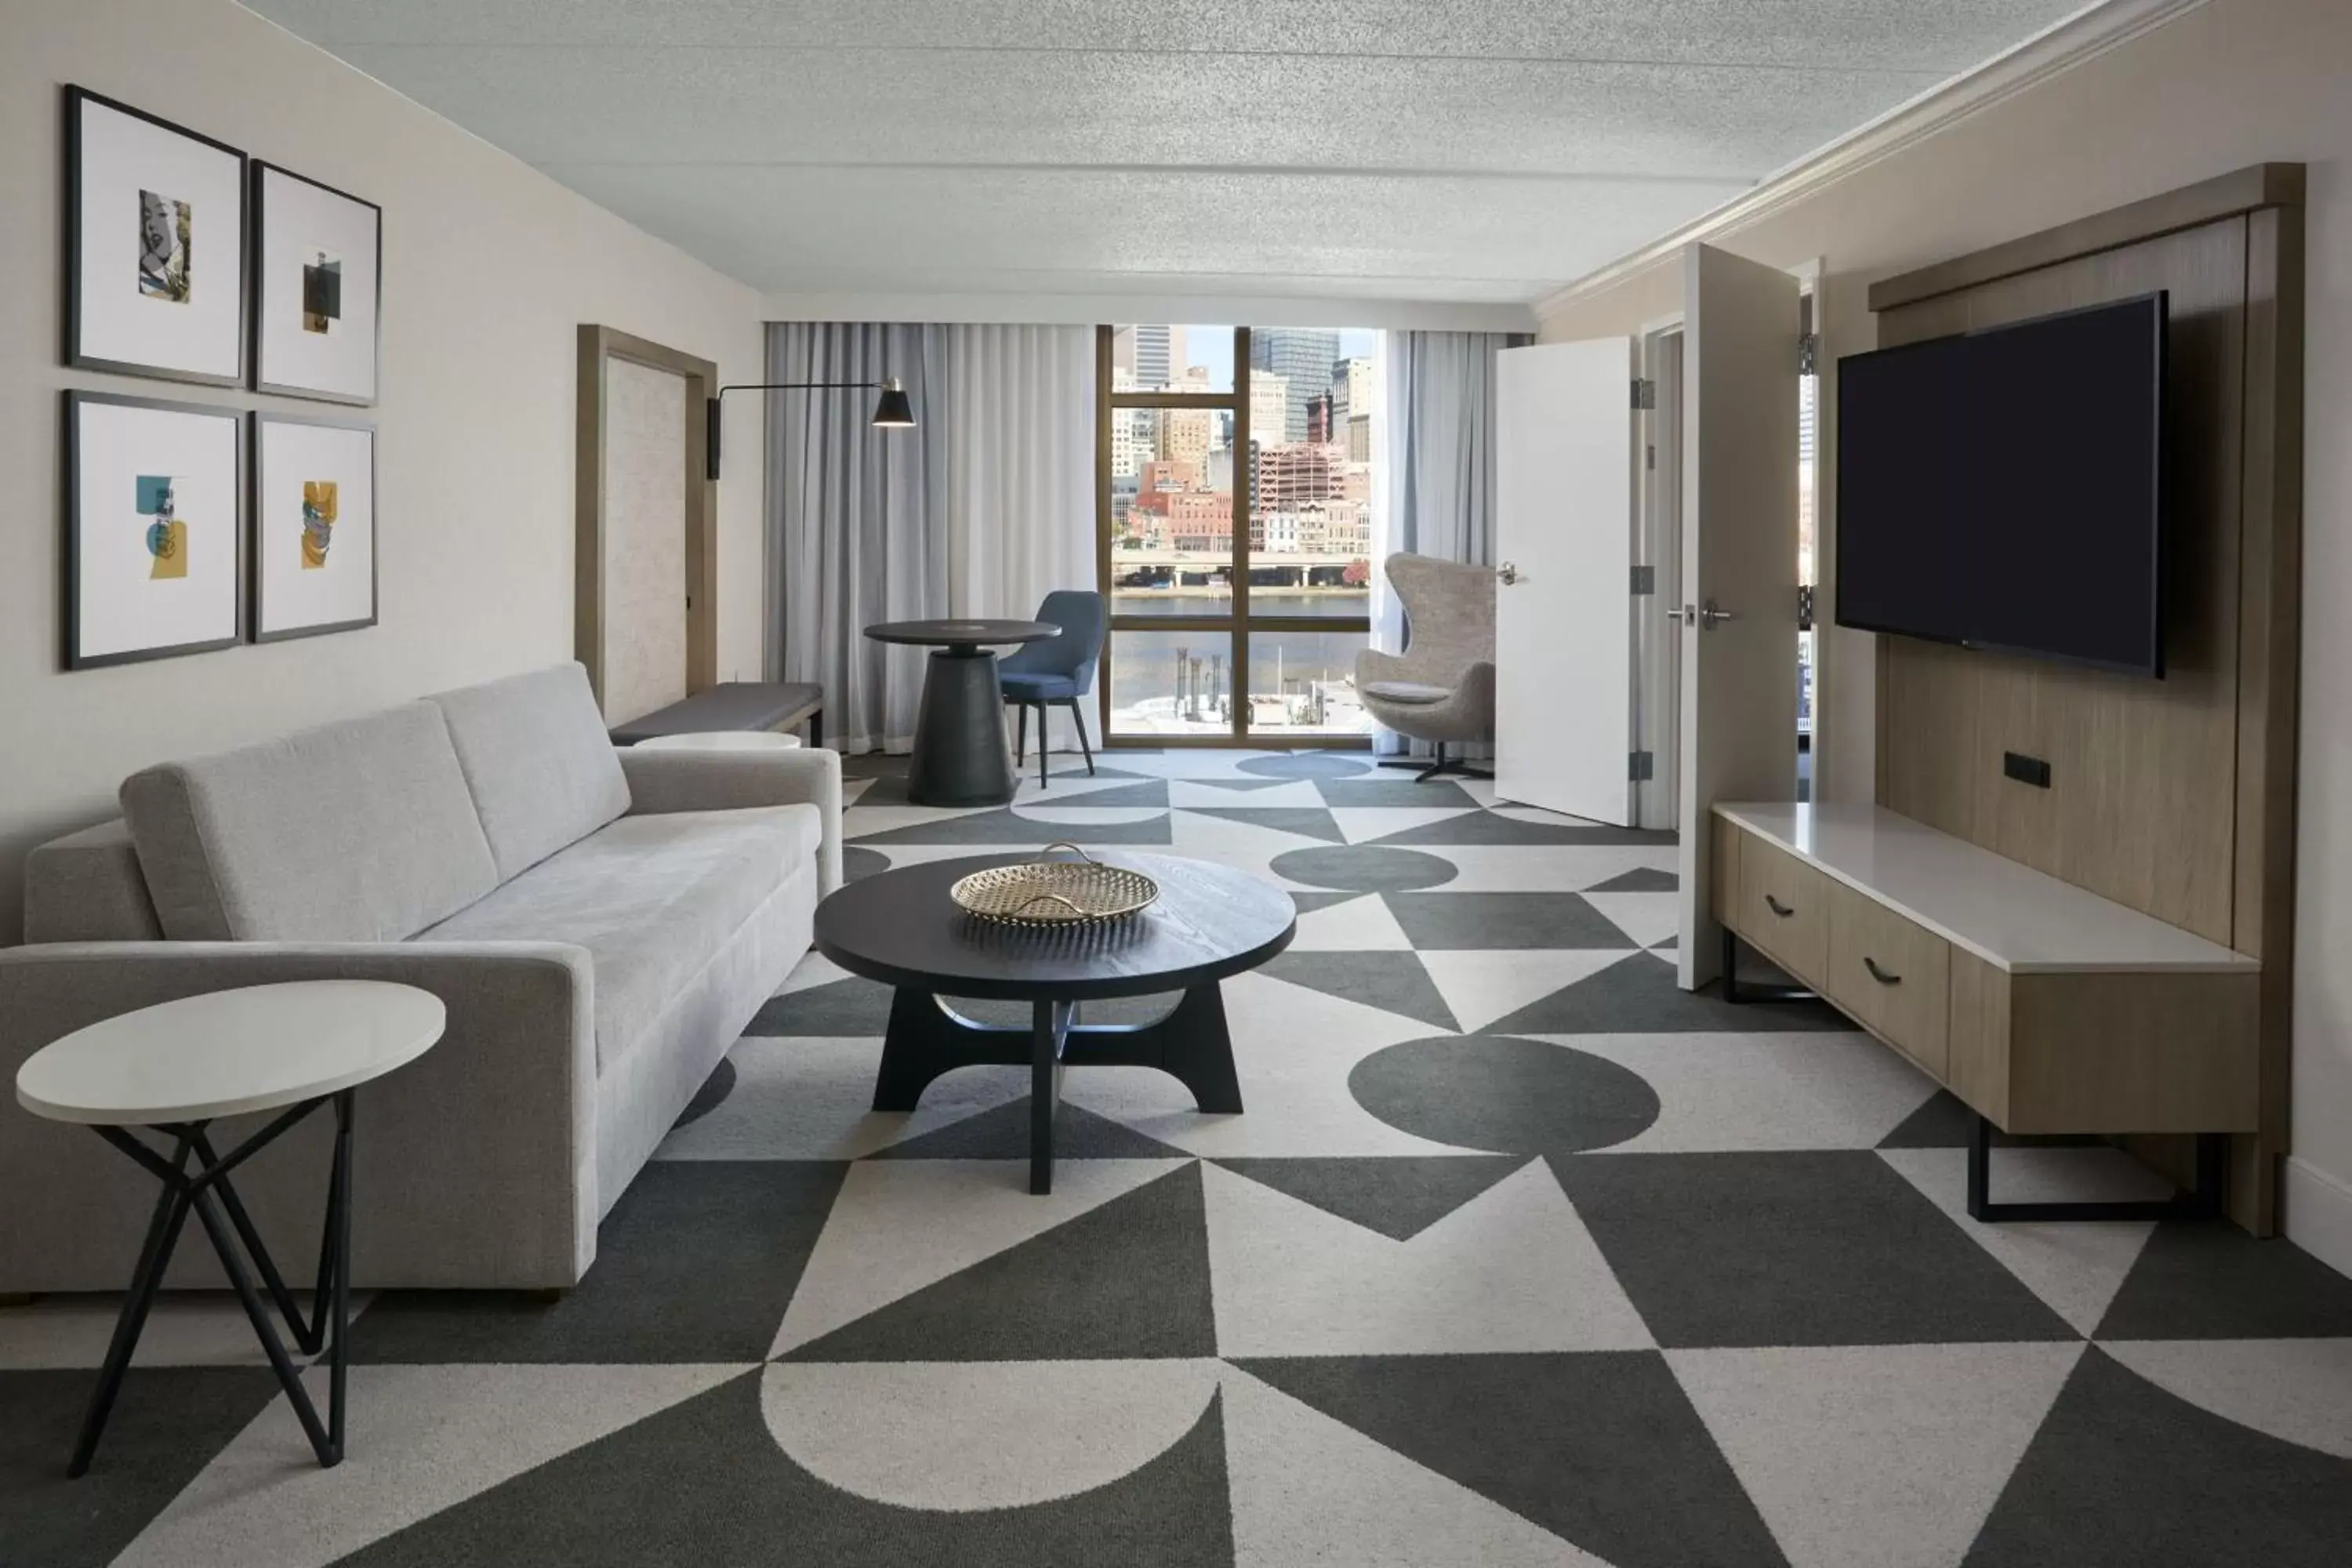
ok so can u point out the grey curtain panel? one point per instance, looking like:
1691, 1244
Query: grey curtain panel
982, 509
1440, 451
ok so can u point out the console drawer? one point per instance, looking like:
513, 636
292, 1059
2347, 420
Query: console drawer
1892, 973
1784, 909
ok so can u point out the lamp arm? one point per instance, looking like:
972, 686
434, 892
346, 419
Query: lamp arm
711, 412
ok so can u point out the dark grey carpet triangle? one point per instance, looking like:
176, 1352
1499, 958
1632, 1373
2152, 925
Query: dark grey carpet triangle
2124, 1474
1126, 1280
1392, 981
703, 1482
1306, 820
1399, 1196
1490, 827
167, 1424
844, 1006
2209, 1280
1638, 996
1641, 879
1141, 793
1003, 1133
710, 1095
988, 829
1645, 1488
1310, 902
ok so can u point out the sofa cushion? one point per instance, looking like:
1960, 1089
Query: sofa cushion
651, 898
538, 760
357, 831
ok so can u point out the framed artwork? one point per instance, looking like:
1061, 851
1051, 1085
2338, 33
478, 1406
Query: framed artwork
317, 265
153, 529
313, 527
155, 241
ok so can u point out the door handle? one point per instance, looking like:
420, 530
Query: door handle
1778, 907
1880, 974
1706, 617
1509, 572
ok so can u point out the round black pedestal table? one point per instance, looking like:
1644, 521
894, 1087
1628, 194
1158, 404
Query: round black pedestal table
902, 928
960, 755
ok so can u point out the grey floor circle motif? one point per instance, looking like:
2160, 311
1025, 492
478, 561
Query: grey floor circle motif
1364, 868
859, 862
1505, 1094
710, 1095
1305, 765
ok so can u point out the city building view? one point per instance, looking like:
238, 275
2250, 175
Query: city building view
1289, 600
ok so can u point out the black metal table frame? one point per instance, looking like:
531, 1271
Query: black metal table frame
207, 1191
927, 1038
2201, 1200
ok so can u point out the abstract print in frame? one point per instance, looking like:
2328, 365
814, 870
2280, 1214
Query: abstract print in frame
318, 269
154, 529
155, 245
313, 527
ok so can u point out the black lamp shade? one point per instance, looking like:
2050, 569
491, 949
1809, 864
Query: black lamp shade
891, 410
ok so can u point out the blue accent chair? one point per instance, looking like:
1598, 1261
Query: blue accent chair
1058, 671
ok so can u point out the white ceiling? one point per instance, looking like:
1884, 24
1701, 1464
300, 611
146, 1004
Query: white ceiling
1429, 149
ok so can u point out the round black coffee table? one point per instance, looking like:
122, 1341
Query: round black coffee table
902, 928
960, 756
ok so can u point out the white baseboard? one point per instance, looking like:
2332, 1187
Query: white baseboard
2319, 1213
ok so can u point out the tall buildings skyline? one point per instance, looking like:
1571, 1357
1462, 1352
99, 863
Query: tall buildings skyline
1305, 357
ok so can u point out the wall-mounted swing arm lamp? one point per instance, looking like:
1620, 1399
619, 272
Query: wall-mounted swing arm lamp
891, 410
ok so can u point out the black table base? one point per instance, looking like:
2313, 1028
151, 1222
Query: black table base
927, 1039
960, 756
207, 1191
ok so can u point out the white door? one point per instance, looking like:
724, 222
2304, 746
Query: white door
1565, 522
1739, 562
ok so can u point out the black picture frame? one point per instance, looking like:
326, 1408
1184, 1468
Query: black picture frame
70, 652
75, 99
257, 306
253, 591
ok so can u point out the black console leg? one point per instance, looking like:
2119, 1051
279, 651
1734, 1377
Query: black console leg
1049, 1029
1735, 991
2202, 1202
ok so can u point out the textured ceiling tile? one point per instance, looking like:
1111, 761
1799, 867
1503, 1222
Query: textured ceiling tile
1898, 34
1407, 149
580, 106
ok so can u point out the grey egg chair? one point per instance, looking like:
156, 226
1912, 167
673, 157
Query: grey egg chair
1441, 689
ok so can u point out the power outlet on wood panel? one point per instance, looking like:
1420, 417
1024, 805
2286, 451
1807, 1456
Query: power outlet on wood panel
2026, 770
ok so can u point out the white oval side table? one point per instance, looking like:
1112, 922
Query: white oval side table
175, 1068
720, 740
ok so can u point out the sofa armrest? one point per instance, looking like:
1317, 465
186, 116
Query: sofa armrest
1372, 663
475, 1164
665, 780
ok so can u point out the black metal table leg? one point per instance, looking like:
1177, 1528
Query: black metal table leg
2201, 1201
208, 1192
1049, 1034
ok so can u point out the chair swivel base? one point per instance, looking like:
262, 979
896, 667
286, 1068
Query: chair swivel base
1441, 763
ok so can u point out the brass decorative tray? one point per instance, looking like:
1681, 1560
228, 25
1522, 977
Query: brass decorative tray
1084, 891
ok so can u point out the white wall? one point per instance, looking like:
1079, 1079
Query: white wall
2231, 83
488, 268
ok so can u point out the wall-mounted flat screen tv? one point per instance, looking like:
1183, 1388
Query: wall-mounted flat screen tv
2004, 489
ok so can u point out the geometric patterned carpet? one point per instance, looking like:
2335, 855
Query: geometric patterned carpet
1519, 1256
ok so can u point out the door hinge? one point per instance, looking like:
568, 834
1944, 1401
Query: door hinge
1804, 606
1645, 579
1639, 766
1809, 353
1646, 394
1650, 456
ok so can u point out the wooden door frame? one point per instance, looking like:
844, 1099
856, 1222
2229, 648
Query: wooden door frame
599, 346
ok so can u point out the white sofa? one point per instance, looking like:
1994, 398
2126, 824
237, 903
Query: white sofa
602, 924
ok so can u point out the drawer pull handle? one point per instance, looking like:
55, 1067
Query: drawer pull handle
1776, 906
1880, 974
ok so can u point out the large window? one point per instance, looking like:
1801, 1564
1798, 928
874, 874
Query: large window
1237, 511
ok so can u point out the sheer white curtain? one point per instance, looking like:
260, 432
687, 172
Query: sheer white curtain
982, 509
1021, 471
